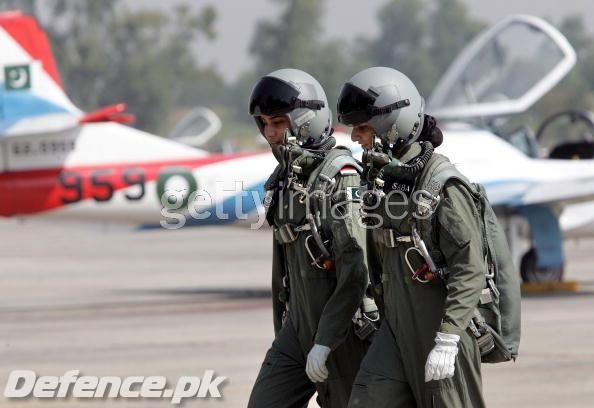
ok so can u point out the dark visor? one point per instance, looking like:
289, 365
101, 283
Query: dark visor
355, 106
273, 96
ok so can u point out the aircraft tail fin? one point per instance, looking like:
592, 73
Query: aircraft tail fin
30, 85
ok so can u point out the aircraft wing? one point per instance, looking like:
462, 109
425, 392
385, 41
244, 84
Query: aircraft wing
561, 193
569, 195
544, 182
511, 178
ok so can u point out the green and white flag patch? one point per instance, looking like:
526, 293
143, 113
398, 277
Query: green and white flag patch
353, 193
17, 77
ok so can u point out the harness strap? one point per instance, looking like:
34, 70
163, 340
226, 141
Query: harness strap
334, 161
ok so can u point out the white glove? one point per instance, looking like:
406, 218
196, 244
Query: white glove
316, 363
441, 360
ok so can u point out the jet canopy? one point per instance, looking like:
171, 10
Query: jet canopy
504, 70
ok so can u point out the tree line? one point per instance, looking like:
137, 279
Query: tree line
108, 53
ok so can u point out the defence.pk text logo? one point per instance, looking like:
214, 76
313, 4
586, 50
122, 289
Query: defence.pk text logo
25, 383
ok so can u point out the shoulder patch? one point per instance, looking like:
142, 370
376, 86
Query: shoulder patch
348, 170
353, 193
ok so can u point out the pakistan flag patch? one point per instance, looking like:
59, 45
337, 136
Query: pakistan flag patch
353, 193
17, 77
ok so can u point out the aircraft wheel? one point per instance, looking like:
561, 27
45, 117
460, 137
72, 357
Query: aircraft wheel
531, 273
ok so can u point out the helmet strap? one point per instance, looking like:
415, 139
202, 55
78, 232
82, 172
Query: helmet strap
389, 108
397, 147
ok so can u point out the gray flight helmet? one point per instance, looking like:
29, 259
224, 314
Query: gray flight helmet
388, 101
300, 97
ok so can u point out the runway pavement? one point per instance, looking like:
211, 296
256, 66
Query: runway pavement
113, 301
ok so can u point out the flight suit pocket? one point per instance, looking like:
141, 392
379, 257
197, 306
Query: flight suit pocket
452, 225
334, 392
315, 273
268, 365
439, 393
343, 240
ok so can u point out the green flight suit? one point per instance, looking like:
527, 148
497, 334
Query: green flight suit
393, 372
321, 305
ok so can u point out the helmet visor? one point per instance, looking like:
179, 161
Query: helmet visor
273, 96
354, 105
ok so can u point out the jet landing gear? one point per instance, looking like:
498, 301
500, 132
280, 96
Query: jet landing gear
536, 243
531, 273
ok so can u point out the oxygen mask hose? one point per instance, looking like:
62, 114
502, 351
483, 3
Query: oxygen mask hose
395, 169
327, 144
373, 160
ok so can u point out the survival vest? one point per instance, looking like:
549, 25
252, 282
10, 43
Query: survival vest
321, 181
496, 323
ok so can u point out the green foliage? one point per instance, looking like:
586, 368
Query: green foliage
411, 39
401, 42
237, 96
290, 42
583, 75
418, 37
576, 91
108, 54
450, 30
294, 41
147, 58
419, 42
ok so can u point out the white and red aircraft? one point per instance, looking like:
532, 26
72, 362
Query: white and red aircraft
56, 161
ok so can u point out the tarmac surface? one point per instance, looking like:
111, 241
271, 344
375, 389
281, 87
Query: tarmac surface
110, 301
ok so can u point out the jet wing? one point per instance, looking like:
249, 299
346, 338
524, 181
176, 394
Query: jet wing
555, 186
511, 178
577, 220
561, 193
555, 183
572, 198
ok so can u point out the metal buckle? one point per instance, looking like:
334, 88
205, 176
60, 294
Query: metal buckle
304, 227
414, 272
391, 239
286, 234
372, 316
485, 296
365, 330
490, 276
296, 186
426, 204
329, 183
388, 238
315, 261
